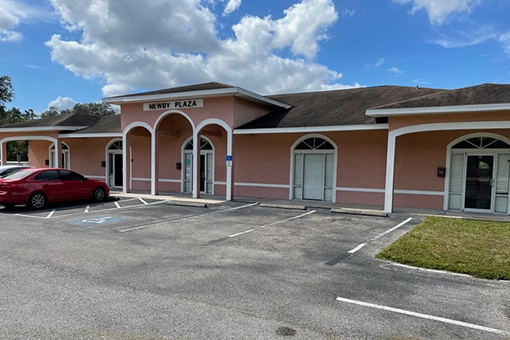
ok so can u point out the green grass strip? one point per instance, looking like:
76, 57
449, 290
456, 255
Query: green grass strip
477, 248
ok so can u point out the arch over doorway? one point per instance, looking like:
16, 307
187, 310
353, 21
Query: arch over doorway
478, 173
313, 169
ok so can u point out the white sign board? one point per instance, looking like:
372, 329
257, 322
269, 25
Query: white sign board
174, 104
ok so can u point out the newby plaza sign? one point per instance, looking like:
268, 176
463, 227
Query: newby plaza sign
178, 104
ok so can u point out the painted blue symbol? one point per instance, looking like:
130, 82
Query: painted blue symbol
96, 221
229, 158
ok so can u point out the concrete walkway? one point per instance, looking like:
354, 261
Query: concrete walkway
207, 200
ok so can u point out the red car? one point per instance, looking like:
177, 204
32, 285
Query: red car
37, 187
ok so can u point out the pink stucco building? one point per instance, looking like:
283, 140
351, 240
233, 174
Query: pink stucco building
386, 146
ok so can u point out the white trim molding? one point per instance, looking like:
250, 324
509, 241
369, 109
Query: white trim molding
437, 110
91, 135
231, 91
368, 190
312, 129
419, 192
262, 185
44, 128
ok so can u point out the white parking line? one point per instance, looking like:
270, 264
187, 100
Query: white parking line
51, 213
98, 211
141, 200
424, 316
352, 251
390, 230
274, 223
187, 217
87, 209
117, 205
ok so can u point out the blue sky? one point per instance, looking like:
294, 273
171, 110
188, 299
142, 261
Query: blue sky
59, 52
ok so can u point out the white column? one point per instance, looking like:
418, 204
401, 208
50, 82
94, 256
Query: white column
154, 163
125, 165
390, 173
58, 154
2, 159
195, 165
230, 181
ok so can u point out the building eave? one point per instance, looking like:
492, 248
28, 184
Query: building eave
235, 91
312, 129
44, 128
437, 110
91, 135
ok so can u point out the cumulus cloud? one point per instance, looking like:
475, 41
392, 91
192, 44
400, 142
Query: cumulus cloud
12, 13
10, 17
232, 5
440, 10
162, 43
62, 103
395, 71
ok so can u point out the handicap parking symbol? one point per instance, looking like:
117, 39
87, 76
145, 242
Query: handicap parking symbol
97, 221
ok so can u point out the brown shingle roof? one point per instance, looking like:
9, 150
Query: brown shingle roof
473, 95
106, 124
187, 88
70, 120
331, 108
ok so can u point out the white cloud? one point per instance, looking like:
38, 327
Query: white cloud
440, 10
62, 103
130, 47
504, 39
231, 6
12, 13
377, 64
348, 12
395, 71
468, 38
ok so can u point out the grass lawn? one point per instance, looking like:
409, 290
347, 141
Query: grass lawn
477, 248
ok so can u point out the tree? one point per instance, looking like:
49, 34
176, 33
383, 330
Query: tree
92, 109
6, 90
14, 115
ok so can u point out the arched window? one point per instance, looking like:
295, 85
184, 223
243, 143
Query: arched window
314, 159
481, 143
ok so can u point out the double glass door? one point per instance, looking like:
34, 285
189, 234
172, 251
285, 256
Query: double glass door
479, 182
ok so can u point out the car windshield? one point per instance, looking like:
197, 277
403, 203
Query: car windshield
19, 174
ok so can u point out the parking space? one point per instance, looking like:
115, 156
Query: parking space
308, 270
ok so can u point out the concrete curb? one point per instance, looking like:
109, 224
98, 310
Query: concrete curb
364, 212
188, 204
283, 206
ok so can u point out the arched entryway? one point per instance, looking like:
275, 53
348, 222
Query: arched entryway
314, 169
479, 173
138, 157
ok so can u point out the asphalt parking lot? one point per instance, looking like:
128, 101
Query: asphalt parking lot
138, 268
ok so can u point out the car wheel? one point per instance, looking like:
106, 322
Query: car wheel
37, 201
99, 194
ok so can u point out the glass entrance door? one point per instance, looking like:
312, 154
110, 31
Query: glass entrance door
479, 182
